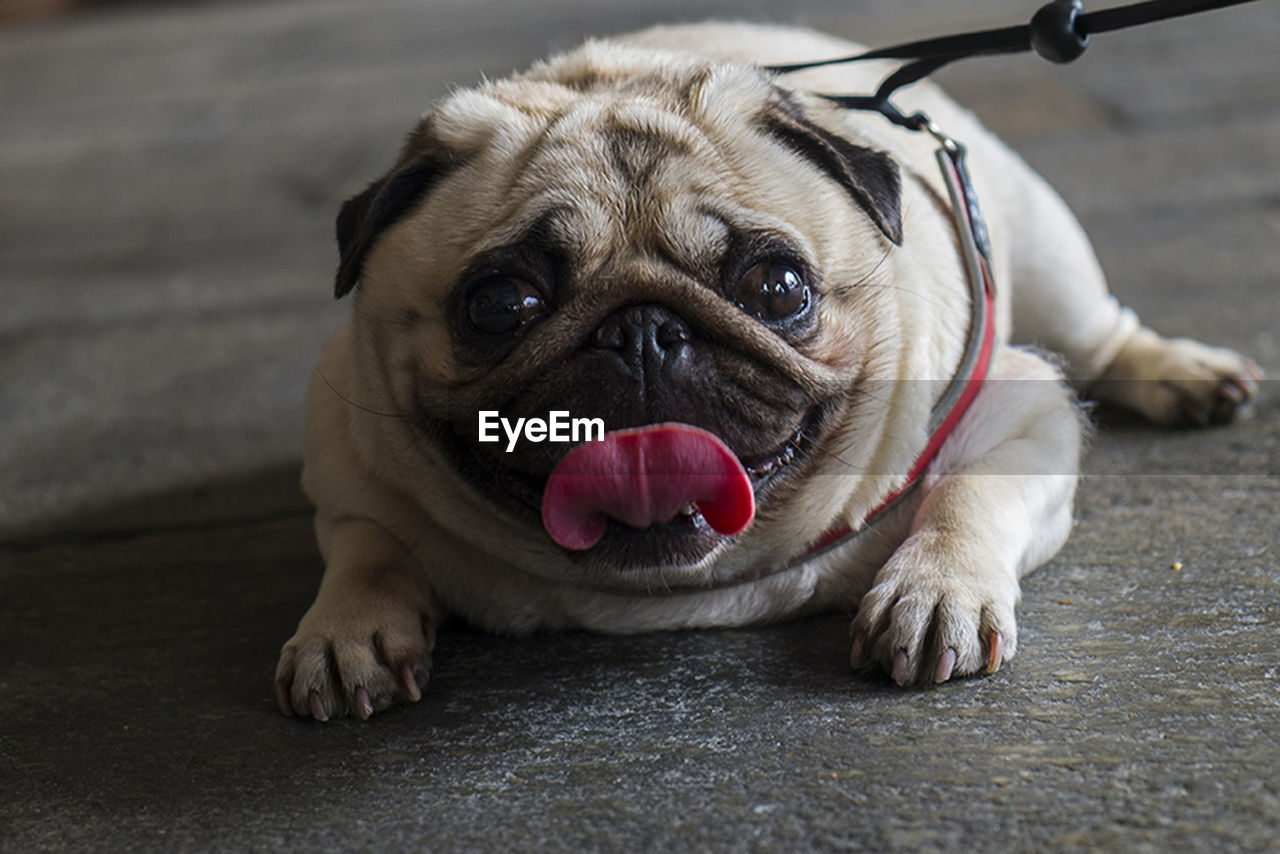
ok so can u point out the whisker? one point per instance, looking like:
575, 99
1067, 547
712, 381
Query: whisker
829, 453
417, 435
920, 295
865, 282
844, 289
358, 406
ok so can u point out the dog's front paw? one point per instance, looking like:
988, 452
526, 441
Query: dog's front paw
1178, 381
932, 615
354, 658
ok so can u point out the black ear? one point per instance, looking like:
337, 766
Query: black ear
870, 177
382, 204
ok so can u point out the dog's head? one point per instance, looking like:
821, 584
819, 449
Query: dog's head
637, 238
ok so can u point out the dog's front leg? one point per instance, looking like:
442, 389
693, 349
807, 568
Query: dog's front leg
995, 503
366, 641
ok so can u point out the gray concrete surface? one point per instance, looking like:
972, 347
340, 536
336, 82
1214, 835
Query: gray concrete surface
168, 179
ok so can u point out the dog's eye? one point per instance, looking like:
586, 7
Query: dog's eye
771, 291
501, 305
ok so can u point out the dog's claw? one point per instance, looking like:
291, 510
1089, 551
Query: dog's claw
1253, 374
409, 684
283, 689
900, 664
364, 708
857, 652
1235, 390
317, 708
946, 664
995, 652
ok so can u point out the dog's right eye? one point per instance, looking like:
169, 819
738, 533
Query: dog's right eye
503, 305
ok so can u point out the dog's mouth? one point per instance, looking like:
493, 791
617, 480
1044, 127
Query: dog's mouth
684, 515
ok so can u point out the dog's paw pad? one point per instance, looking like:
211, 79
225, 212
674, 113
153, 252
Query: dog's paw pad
920, 624
1181, 382
333, 668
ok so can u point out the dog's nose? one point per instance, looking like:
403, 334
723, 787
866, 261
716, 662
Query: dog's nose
649, 338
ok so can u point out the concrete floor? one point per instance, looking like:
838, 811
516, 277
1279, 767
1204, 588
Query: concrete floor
168, 179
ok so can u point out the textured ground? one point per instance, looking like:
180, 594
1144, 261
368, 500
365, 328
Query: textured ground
168, 178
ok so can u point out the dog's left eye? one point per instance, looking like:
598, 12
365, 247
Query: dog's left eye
771, 291
501, 305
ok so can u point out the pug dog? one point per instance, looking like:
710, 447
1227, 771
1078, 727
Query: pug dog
752, 302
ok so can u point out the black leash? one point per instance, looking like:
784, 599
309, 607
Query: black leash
1059, 32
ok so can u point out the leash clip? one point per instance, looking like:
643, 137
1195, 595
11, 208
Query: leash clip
965, 211
949, 144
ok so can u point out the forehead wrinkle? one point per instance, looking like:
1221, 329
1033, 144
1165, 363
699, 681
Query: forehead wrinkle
557, 217
575, 177
557, 173
693, 237
650, 119
742, 218
611, 170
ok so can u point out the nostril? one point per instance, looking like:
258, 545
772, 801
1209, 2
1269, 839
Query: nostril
672, 332
641, 329
609, 336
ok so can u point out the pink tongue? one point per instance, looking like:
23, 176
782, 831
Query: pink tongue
643, 477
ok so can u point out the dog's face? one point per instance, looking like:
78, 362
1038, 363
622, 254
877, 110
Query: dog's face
635, 239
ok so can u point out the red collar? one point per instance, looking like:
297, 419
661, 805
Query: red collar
976, 361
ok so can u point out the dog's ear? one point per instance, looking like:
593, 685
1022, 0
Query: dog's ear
870, 177
422, 163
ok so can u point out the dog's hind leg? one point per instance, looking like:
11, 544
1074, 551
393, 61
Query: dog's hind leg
1061, 302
